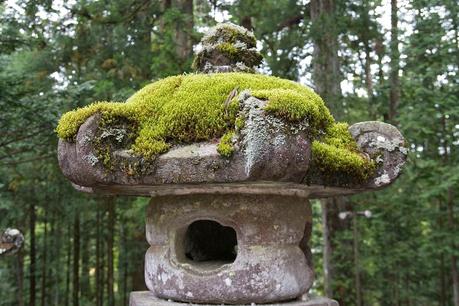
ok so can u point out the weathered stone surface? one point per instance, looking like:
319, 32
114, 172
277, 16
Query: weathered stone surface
227, 48
374, 138
146, 298
268, 153
269, 264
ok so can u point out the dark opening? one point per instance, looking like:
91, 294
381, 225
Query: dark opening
209, 241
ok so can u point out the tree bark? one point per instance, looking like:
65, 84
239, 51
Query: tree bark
20, 277
184, 29
326, 77
326, 68
99, 277
76, 260
44, 263
358, 285
452, 226
68, 266
32, 266
327, 252
394, 97
111, 232
85, 240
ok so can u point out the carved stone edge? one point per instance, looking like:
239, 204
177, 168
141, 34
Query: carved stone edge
273, 188
147, 298
372, 137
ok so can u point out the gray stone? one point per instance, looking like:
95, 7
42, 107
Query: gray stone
146, 298
381, 138
189, 261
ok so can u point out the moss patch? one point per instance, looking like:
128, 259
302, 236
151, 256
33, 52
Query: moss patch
192, 108
295, 106
189, 108
337, 154
225, 147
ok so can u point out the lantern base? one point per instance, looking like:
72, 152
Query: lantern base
146, 298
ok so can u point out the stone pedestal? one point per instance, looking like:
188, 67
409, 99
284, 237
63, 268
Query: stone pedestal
146, 298
228, 248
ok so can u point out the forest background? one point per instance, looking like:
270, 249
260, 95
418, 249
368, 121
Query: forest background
392, 60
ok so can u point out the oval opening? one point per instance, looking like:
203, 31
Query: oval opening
209, 245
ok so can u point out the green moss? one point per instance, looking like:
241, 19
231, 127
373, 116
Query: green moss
295, 106
227, 48
337, 153
225, 147
184, 109
239, 123
192, 108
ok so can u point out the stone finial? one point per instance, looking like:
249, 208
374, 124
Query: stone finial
228, 48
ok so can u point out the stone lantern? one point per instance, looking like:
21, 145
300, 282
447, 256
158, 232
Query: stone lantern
230, 159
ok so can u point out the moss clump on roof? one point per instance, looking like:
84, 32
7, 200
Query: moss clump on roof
192, 108
337, 153
295, 106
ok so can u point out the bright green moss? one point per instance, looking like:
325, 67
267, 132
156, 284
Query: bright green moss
337, 153
296, 106
239, 123
227, 48
192, 108
225, 147
187, 108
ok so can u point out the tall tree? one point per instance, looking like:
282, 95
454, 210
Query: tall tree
326, 76
394, 97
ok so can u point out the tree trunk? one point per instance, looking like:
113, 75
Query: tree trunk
326, 70
367, 48
99, 291
20, 277
326, 77
111, 232
44, 263
184, 30
76, 260
85, 241
358, 286
181, 30
68, 266
57, 256
32, 266
454, 270
394, 97
123, 264
327, 252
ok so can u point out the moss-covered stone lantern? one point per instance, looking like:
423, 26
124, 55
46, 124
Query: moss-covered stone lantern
229, 158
